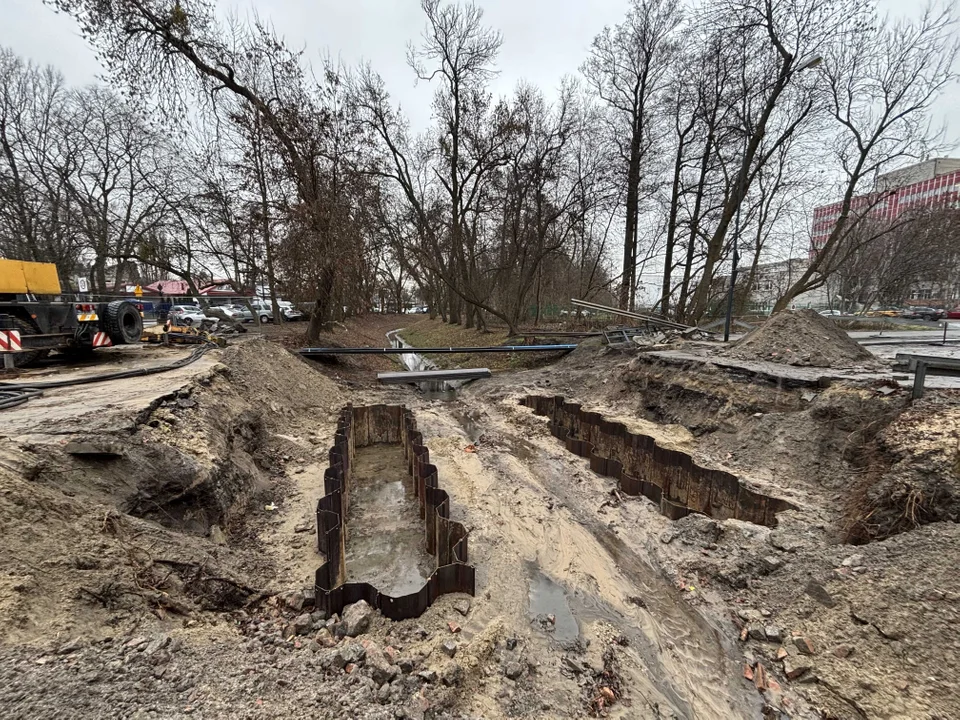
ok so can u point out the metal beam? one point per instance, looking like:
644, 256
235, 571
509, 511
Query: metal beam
400, 378
909, 362
652, 319
312, 352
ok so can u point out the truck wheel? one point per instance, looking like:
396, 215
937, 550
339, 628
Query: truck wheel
122, 322
25, 359
264, 319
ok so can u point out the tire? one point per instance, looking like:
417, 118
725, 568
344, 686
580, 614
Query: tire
122, 322
264, 319
185, 321
25, 359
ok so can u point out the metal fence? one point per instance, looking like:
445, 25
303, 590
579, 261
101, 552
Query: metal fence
445, 539
670, 478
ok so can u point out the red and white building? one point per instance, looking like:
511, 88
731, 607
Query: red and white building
934, 183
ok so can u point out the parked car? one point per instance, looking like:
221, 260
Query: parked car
831, 312
888, 312
954, 314
263, 311
924, 313
239, 313
188, 315
290, 313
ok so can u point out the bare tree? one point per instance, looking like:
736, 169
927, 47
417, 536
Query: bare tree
180, 50
881, 83
626, 67
37, 159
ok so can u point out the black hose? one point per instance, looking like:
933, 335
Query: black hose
12, 398
13, 394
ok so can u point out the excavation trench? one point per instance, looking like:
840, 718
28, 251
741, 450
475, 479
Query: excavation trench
379, 463
670, 478
386, 545
580, 568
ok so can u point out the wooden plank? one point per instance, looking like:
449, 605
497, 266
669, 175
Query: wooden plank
909, 362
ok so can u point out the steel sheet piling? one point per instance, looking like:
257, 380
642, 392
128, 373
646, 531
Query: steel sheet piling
445, 539
669, 478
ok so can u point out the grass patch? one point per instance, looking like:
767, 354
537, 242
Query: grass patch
879, 324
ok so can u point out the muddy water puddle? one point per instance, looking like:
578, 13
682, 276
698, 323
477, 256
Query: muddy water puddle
386, 544
549, 608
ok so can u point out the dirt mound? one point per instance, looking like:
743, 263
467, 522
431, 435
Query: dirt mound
133, 519
801, 337
914, 478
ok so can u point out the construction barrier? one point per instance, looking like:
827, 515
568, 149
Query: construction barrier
445, 539
10, 341
670, 478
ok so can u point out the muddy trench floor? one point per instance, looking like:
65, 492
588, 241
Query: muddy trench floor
385, 545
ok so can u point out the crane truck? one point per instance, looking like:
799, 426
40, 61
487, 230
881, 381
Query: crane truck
35, 318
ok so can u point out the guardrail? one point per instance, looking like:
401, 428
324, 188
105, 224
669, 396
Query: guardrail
445, 539
923, 365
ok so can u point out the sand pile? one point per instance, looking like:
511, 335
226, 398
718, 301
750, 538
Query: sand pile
801, 337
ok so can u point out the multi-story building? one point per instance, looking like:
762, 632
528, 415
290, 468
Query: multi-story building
934, 183
773, 279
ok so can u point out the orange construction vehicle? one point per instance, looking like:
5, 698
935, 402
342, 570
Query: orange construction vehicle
35, 318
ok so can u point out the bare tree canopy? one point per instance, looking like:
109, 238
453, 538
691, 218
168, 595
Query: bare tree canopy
693, 133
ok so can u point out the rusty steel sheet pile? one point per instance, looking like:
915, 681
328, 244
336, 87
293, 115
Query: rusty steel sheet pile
446, 539
670, 478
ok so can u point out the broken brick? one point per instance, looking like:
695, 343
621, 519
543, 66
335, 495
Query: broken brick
794, 669
760, 678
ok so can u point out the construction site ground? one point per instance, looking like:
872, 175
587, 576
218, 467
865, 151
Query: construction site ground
159, 537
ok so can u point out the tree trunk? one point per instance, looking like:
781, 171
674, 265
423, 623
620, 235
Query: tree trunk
323, 307
630, 231
453, 302
671, 231
471, 314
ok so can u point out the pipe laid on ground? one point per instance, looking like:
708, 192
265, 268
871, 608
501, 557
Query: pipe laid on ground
311, 352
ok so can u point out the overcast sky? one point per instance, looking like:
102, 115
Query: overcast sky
543, 40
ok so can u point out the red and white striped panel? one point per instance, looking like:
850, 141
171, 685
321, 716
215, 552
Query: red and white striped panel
10, 341
101, 339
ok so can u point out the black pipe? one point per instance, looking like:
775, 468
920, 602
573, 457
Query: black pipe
309, 352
